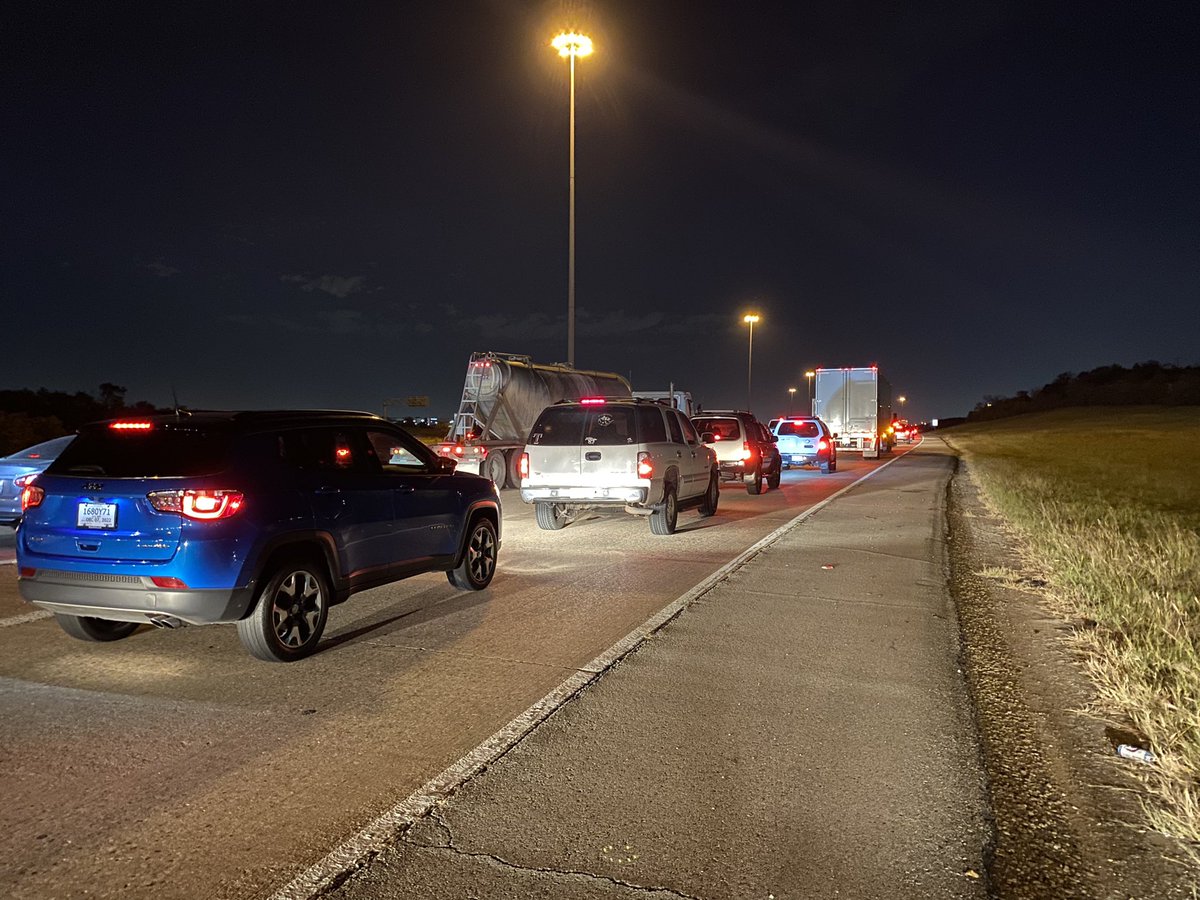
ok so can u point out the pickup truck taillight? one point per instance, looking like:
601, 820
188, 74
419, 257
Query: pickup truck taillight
523, 465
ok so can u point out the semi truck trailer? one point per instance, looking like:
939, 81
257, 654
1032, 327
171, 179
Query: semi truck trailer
503, 395
856, 404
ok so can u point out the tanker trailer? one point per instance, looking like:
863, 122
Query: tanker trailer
503, 395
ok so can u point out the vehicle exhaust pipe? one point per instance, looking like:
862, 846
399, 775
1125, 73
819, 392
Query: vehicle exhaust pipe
161, 620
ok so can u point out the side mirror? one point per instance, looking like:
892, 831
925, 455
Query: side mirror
835, 435
445, 464
708, 438
774, 438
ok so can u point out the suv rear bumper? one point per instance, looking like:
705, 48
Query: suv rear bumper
131, 598
617, 496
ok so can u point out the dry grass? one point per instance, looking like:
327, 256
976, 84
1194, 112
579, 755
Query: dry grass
1107, 503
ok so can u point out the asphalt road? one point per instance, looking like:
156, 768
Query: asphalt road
173, 765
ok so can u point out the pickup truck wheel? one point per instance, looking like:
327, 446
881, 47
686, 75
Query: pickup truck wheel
711, 497
663, 519
495, 467
478, 564
754, 483
88, 628
289, 615
550, 516
773, 478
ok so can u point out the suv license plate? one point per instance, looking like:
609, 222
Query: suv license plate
97, 515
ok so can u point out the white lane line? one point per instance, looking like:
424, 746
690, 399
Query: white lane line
28, 617
377, 835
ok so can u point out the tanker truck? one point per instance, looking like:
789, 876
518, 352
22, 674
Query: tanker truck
503, 395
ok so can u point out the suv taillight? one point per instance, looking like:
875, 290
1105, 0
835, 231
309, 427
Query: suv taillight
201, 505
822, 444
523, 465
645, 465
747, 452
31, 496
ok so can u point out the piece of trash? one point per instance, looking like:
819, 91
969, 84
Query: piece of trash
971, 873
827, 566
1128, 751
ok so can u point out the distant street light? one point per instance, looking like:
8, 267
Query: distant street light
791, 401
750, 320
571, 46
809, 375
902, 400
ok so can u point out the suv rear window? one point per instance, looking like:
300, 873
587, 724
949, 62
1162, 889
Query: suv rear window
800, 429
159, 453
572, 426
722, 428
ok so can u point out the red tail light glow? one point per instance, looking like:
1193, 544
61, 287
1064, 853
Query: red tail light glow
170, 584
26, 572
645, 465
591, 401
523, 465
822, 444
458, 449
200, 505
747, 452
130, 425
31, 496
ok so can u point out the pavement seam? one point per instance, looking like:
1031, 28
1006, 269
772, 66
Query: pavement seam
369, 842
449, 847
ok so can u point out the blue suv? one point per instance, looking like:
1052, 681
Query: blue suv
265, 519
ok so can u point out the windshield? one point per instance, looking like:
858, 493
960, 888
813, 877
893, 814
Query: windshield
602, 426
799, 429
159, 453
723, 429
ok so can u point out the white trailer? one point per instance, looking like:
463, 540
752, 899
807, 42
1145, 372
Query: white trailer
856, 404
503, 395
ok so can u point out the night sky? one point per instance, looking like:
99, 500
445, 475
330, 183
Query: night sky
331, 204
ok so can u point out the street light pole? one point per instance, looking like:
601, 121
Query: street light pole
570, 46
750, 320
791, 401
809, 375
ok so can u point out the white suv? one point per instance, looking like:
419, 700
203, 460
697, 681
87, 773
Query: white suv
639, 455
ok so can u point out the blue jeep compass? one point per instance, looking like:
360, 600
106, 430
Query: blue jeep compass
265, 519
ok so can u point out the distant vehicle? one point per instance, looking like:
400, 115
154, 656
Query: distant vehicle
857, 405
746, 451
265, 519
680, 400
633, 454
806, 441
904, 432
21, 469
503, 395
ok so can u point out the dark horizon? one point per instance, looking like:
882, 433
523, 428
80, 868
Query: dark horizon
330, 207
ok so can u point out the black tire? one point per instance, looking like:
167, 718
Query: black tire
754, 483
87, 628
495, 467
664, 519
773, 478
833, 465
289, 613
478, 564
827, 467
550, 516
514, 467
711, 497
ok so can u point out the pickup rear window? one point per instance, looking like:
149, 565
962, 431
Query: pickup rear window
574, 426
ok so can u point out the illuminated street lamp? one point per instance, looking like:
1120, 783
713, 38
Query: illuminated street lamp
750, 320
791, 401
571, 46
809, 375
902, 400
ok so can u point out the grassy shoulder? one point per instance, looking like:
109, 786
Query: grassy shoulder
1107, 503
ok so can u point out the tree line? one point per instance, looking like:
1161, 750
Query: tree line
29, 417
1145, 384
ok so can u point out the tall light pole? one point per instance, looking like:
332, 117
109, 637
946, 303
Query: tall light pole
571, 46
750, 320
791, 401
902, 400
809, 375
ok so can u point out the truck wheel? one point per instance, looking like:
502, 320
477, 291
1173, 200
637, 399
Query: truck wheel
773, 478
87, 628
550, 516
711, 497
827, 467
514, 467
754, 483
289, 616
495, 467
663, 519
478, 564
